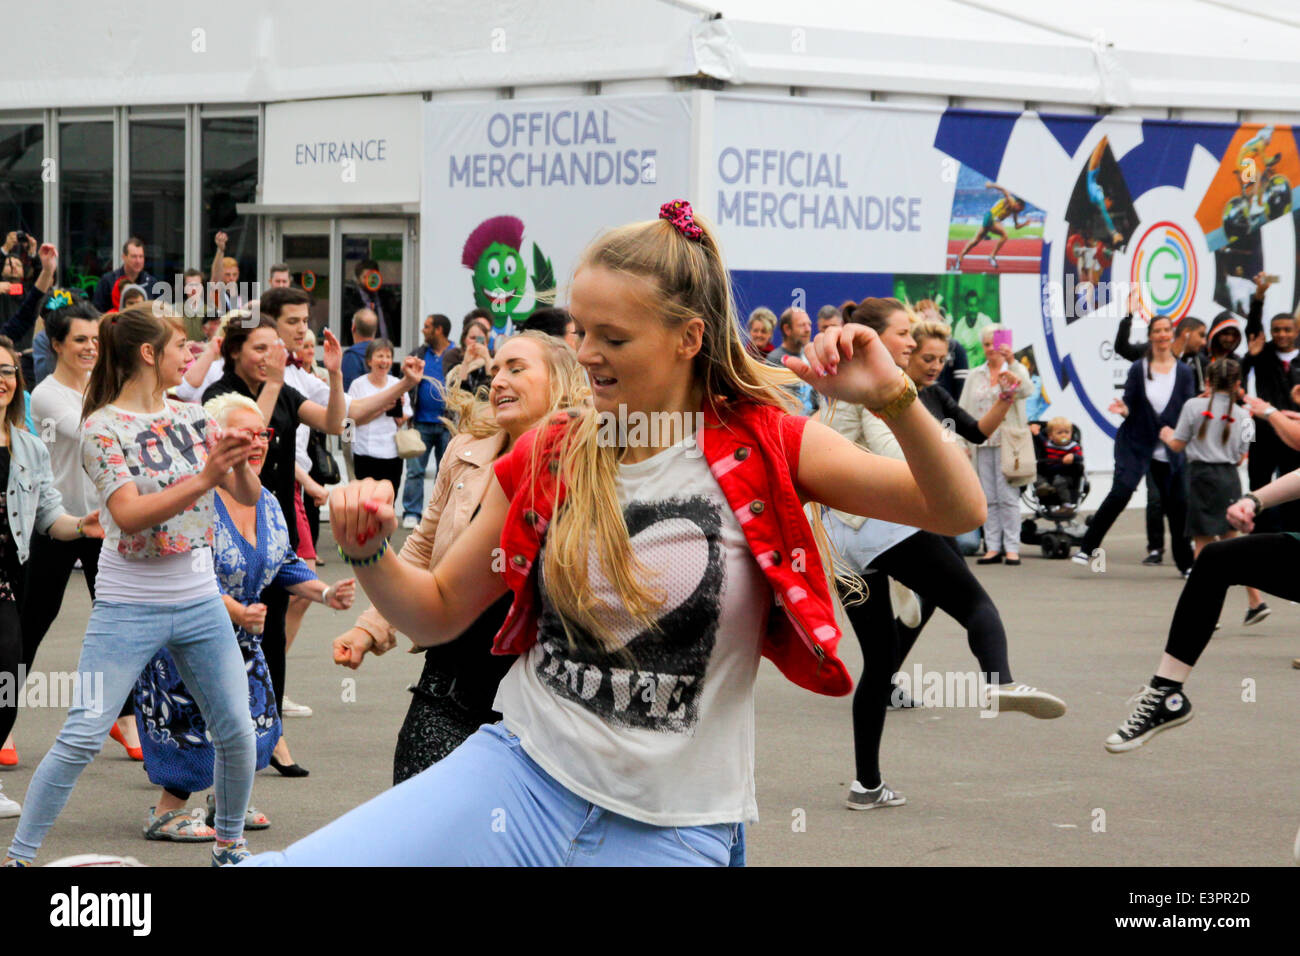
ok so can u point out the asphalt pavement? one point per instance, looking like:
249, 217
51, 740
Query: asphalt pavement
1010, 791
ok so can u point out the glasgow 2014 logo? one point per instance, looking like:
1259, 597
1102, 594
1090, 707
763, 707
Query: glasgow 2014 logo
1163, 269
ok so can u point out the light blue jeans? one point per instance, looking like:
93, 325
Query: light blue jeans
489, 804
435, 437
120, 640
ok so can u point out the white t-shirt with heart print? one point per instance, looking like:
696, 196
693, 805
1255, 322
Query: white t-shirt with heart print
662, 733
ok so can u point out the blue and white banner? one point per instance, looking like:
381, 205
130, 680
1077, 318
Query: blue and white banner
1045, 225
514, 190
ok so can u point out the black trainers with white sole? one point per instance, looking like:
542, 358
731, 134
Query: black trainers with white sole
860, 798
1256, 614
1154, 709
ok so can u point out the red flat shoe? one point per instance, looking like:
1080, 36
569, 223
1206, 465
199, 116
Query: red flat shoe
135, 753
9, 757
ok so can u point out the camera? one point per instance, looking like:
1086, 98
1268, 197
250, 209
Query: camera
21, 239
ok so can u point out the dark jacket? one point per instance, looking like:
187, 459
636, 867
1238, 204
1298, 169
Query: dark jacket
953, 376
20, 322
1198, 362
354, 363
1139, 434
944, 407
103, 298
1272, 380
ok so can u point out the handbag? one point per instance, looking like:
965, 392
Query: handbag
1019, 463
324, 469
409, 443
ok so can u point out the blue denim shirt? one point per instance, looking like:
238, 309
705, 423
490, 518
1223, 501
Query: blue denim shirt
33, 502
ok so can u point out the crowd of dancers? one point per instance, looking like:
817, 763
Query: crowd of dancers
592, 612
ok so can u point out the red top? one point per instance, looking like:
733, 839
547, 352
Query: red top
753, 453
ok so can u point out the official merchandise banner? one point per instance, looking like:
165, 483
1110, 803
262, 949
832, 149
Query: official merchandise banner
515, 190
1044, 225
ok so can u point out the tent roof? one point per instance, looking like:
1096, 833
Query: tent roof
1207, 54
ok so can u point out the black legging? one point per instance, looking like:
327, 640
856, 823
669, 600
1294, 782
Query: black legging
48, 571
11, 655
1155, 516
933, 567
276, 600
1264, 561
1173, 500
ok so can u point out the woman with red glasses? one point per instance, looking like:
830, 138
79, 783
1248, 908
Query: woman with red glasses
255, 358
252, 550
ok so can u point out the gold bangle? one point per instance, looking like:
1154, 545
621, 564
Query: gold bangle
896, 405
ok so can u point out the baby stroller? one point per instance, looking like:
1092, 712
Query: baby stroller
1045, 504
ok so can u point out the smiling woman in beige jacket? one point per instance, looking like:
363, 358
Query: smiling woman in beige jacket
531, 374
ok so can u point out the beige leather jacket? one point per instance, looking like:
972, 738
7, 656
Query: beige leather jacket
867, 432
463, 478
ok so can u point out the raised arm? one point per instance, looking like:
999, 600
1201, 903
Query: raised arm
935, 488
430, 607
22, 321
197, 373
364, 410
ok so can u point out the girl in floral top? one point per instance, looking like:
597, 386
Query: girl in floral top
252, 551
154, 463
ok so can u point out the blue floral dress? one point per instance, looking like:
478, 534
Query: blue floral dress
178, 751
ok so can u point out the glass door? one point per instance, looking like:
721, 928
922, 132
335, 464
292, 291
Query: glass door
305, 248
373, 276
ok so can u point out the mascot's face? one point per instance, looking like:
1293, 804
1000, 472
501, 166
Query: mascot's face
499, 281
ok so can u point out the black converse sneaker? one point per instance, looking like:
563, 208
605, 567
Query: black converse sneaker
1155, 709
1256, 614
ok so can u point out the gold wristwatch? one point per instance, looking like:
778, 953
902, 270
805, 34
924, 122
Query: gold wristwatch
899, 403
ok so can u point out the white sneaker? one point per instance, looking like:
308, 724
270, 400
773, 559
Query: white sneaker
1083, 558
1027, 700
410, 521
290, 709
9, 808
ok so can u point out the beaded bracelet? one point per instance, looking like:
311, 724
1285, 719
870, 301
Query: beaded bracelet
364, 562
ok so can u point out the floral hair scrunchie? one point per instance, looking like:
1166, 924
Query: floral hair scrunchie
680, 214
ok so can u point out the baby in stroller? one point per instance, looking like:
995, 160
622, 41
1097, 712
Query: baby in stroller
1060, 467
1059, 490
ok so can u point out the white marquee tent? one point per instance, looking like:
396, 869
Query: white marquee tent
1195, 59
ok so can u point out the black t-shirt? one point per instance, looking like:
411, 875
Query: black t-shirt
277, 473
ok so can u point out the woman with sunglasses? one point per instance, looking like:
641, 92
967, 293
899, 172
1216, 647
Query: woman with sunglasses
252, 550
